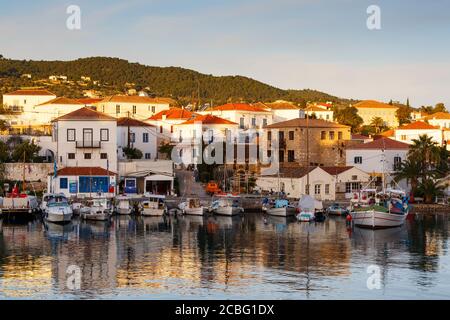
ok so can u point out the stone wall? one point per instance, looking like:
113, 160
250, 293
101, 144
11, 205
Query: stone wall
33, 171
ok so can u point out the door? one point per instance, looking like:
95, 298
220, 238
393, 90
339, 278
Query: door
87, 137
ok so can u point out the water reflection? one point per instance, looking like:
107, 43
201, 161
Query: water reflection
223, 257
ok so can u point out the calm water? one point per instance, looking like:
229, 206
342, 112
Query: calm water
224, 258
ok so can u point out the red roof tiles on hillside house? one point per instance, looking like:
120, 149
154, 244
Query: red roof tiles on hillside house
438, 116
61, 100
381, 144
238, 107
209, 119
374, 104
418, 125
85, 114
336, 170
282, 105
303, 123
86, 101
84, 171
173, 113
125, 122
30, 92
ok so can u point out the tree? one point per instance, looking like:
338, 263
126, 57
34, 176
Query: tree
440, 107
409, 170
4, 152
132, 153
427, 152
3, 125
378, 124
403, 114
26, 151
429, 189
348, 116
166, 149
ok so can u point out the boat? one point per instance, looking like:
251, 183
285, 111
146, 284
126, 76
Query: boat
279, 208
309, 208
58, 210
123, 206
226, 205
48, 197
386, 210
191, 206
99, 210
337, 210
19, 205
154, 205
76, 208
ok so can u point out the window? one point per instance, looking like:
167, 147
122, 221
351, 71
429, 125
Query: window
323, 135
357, 160
269, 153
93, 184
269, 135
317, 188
145, 137
171, 129
134, 109
355, 177
307, 189
161, 129
104, 134
327, 189
253, 122
153, 109
103, 156
241, 123
328, 117
71, 135
348, 187
148, 156
281, 155
117, 108
291, 156
132, 137
403, 137
71, 156
291, 135
63, 183
397, 162
331, 135
264, 122
356, 186
87, 156
340, 135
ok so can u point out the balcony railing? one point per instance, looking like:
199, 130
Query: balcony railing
88, 144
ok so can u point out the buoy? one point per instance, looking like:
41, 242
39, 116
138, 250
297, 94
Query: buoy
348, 219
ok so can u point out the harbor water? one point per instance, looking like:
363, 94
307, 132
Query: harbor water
244, 257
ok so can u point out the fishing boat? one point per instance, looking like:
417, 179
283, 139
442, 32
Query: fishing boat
310, 208
100, 209
154, 205
58, 210
76, 208
191, 206
226, 205
337, 210
123, 206
279, 208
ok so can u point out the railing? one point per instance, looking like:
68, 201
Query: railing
88, 144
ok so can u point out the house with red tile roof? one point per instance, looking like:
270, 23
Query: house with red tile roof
439, 119
284, 110
370, 109
165, 120
319, 112
408, 132
137, 134
44, 113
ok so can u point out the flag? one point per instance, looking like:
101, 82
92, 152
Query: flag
55, 169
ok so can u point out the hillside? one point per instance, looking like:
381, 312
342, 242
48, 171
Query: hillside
179, 83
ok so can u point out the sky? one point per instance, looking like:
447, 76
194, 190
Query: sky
291, 44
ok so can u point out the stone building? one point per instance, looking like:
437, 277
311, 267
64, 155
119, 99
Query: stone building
327, 142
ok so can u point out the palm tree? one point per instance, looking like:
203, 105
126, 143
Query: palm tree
378, 124
430, 189
409, 170
427, 152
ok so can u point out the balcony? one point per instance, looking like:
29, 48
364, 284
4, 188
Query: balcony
88, 144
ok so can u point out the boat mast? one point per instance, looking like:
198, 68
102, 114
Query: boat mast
307, 151
23, 177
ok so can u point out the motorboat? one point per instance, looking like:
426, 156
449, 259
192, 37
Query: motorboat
99, 210
123, 206
191, 206
58, 210
154, 205
387, 209
77, 208
337, 210
46, 198
226, 205
279, 207
308, 207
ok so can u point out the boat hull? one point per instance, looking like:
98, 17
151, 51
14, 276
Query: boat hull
377, 220
150, 212
227, 211
58, 217
123, 211
281, 212
194, 211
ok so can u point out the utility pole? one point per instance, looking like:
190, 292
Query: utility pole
129, 132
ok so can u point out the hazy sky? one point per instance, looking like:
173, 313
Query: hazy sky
323, 45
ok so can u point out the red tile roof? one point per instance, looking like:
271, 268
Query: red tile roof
239, 107
418, 125
88, 101
302, 123
357, 136
282, 105
85, 114
62, 100
381, 144
125, 122
316, 109
173, 113
30, 92
388, 133
336, 170
209, 119
438, 116
374, 104
84, 171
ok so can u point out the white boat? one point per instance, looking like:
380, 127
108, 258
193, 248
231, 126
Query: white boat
123, 206
46, 198
226, 206
58, 210
154, 206
76, 208
280, 208
191, 206
99, 210
308, 207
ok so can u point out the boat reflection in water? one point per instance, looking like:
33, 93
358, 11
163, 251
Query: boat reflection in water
223, 257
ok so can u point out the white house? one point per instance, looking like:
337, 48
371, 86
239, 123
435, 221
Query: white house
45, 112
368, 157
320, 113
86, 147
347, 180
407, 133
284, 110
370, 109
137, 107
439, 119
137, 134
166, 120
